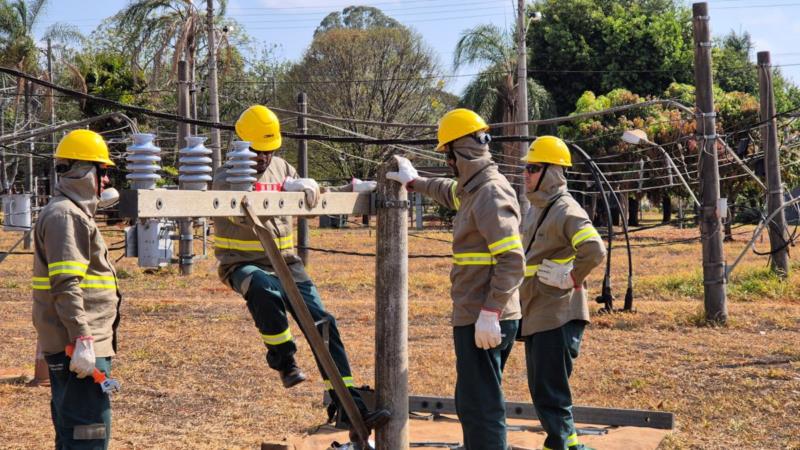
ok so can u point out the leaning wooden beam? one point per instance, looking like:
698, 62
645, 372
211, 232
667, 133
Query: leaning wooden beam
166, 203
583, 414
305, 320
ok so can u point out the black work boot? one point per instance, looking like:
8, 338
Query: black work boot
376, 419
292, 375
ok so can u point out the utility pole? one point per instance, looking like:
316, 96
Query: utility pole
714, 283
29, 172
185, 228
522, 102
213, 94
779, 258
53, 174
302, 170
391, 306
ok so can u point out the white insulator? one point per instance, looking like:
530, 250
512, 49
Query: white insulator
239, 167
17, 212
143, 158
195, 165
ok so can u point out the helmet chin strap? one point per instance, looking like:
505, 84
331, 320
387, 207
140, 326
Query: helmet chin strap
541, 177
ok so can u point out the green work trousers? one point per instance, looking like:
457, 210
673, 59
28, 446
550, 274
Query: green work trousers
549, 356
268, 303
480, 404
80, 410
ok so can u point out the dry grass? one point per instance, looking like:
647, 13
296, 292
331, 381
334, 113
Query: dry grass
194, 374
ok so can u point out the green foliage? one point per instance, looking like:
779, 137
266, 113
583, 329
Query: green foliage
732, 69
109, 76
600, 45
356, 18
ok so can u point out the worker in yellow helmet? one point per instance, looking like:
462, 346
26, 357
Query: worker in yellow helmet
245, 266
561, 248
75, 294
487, 270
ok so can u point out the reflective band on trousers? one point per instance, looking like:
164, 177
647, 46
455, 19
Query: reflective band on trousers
584, 234
89, 282
505, 244
348, 382
68, 267
572, 440
283, 243
473, 259
456, 200
530, 269
277, 339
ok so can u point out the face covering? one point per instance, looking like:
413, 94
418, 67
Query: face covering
108, 198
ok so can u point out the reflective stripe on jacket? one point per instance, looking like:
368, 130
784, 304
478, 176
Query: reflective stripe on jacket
235, 243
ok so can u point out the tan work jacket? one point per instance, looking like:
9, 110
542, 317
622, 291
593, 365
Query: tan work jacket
236, 244
74, 284
565, 235
488, 262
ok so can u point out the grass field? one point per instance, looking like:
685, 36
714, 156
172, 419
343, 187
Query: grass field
194, 375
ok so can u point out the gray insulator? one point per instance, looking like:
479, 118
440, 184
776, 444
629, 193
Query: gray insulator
195, 165
239, 173
143, 158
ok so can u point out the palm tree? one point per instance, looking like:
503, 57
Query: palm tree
492, 93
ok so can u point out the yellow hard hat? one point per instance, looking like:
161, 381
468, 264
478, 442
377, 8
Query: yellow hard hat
84, 145
549, 150
260, 126
457, 124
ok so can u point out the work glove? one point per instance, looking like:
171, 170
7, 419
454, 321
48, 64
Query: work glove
364, 186
487, 330
406, 172
307, 185
83, 359
556, 275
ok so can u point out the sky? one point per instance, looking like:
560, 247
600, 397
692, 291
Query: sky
289, 24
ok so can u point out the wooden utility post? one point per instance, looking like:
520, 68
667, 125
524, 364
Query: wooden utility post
391, 307
714, 284
29, 172
185, 228
779, 258
53, 173
522, 102
213, 94
302, 170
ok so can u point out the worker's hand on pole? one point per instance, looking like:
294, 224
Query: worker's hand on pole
307, 185
364, 186
406, 172
83, 359
556, 275
487, 330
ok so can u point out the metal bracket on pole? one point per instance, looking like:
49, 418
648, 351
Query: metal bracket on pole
703, 18
306, 321
706, 114
377, 202
705, 44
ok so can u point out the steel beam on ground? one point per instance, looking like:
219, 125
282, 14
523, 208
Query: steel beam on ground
582, 414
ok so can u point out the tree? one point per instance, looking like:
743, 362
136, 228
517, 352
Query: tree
600, 45
732, 67
492, 93
376, 73
356, 18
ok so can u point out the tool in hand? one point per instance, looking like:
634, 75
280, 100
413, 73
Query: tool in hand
108, 385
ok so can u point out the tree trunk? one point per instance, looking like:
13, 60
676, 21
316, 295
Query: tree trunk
666, 208
633, 211
615, 210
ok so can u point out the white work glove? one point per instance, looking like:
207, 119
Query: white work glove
307, 185
406, 172
556, 275
364, 186
487, 330
83, 359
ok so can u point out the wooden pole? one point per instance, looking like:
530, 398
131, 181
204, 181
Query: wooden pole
522, 100
53, 173
779, 258
213, 94
306, 321
391, 311
185, 229
29, 172
714, 284
302, 170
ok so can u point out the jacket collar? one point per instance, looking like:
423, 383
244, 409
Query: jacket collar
474, 163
